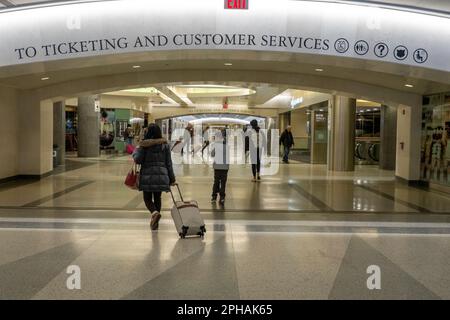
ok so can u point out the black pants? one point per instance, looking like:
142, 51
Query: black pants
152, 201
220, 183
256, 167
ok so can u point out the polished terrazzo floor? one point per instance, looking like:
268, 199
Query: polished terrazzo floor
303, 233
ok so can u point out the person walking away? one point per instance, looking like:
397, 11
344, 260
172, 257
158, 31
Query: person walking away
287, 140
187, 139
221, 165
156, 175
257, 143
127, 135
205, 139
143, 131
246, 143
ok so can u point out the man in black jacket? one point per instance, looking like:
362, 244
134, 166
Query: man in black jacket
287, 140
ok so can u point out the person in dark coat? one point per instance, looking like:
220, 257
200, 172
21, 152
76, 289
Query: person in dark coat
257, 145
221, 154
287, 140
156, 175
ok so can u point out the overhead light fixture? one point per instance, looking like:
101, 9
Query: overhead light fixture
228, 64
136, 67
45, 78
319, 70
409, 85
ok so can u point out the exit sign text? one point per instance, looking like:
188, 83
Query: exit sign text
236, 4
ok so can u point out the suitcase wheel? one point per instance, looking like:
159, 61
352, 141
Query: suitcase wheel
184, 232
201, 234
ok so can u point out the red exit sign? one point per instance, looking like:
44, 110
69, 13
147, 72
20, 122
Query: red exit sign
236, 4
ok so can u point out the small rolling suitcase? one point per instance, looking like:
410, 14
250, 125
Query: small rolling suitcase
187, 218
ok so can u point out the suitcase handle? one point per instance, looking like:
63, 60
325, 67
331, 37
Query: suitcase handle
179, 192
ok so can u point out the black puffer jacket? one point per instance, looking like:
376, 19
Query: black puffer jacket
156, 170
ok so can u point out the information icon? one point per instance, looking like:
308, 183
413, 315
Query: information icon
361, 47
381, 50
420, 56
341, 45
401, 53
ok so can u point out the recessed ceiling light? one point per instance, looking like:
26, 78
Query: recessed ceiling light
136, 67
45, 78
409, 85
319, 70
228, 64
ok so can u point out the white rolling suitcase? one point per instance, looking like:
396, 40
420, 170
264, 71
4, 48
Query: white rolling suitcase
187, 218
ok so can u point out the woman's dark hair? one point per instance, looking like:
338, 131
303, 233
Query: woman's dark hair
254, 123
153, 132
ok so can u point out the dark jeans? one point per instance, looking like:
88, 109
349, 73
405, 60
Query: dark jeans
256, 167
220, 183
152, 201
287, 150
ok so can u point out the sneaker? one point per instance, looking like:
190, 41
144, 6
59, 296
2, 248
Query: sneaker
254, 179
154, 222
222, 201
213, 199
259, 178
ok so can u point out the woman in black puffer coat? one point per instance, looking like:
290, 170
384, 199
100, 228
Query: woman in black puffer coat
156, 174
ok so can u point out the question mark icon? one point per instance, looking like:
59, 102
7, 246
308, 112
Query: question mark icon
381, 50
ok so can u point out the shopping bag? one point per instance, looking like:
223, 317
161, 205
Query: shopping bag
132, 178
130, 148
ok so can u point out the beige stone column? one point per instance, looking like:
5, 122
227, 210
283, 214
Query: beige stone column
409, 130
35, 135
341, 146
88, 128
388, 137
9, 133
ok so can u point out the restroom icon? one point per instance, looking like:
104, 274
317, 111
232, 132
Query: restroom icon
361, 47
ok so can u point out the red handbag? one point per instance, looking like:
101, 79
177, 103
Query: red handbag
130, 148
132, 178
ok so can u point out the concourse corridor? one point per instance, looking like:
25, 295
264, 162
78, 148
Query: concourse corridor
303, 233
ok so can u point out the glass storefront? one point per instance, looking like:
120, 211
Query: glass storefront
435, 155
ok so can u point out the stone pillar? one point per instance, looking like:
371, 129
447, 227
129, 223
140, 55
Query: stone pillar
388, 137
59, 130
88, 128
35, 136
341, 146
409, 131
319, 137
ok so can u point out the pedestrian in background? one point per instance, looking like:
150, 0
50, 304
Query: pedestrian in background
287, 140
221, 165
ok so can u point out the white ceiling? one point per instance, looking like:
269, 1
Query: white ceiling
442, 6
